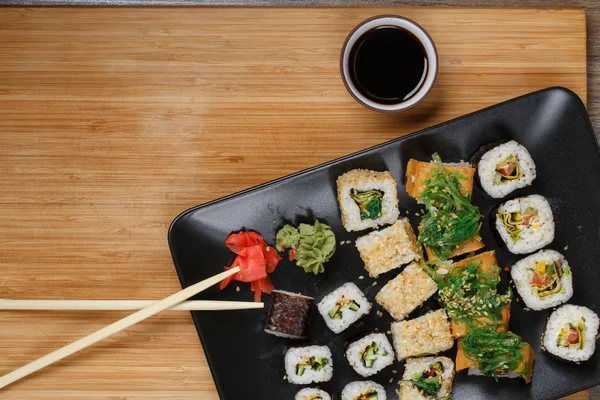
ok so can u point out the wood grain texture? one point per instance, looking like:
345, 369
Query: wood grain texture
112, 121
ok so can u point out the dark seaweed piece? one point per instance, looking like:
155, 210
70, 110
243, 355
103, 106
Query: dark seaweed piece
288, 314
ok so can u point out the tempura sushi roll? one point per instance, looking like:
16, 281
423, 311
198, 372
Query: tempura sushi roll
571, 333
480, 351
367, 199
389, 248
525, 224
370, 354
543, 280
428, 334
363, 390
427, 378
343, 307
309, 364
288, 314
407, 291
312, 394
506, 168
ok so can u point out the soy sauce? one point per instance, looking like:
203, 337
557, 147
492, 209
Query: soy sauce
388, 64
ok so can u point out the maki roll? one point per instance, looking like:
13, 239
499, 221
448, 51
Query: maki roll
570, 334
363, 390
525, 224
309, 364
367, 199
505, 168
418, 173
543, 280
407, 291
389, 248
427, 378
288, 314
370, 354
343, 307
312, 394
428, 334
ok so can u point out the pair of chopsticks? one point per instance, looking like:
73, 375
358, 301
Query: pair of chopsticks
147, 309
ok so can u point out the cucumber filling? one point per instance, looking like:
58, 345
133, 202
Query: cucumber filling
314, 363
371, 353
368, 202
344, 304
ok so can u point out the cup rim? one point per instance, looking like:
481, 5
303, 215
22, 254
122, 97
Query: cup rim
420, 94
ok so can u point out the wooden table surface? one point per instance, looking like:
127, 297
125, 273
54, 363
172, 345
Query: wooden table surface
111, 123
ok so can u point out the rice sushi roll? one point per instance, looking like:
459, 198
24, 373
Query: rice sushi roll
570, 334
363, 390
525, 224
428, 334
406, 292
389, 248
367, 199
288, 314
496, 354
312, 394
309, 364
543, 280
506, 168
343, 307
427, 378
370, 354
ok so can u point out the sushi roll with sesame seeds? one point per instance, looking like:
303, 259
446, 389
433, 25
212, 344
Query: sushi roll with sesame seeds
570, 333
543, 280
363, 390
525, 224
370, 354
367, 199
427, 334
308, 364
506, 168
312, 394
425, 378
343, 307
389, 248
403, 294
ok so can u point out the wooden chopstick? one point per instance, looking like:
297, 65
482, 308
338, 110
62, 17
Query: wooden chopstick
111, 329
110, 305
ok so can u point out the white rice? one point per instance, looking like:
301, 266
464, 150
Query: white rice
533, 237
487, 169
389, 248
301, 355
356, 349
522, 273
561, 317
347, 292
364, 180
312, 394
416, 367
354, 390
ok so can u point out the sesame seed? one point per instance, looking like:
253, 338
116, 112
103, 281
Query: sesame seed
374, 283
237, 288
394, 371
284, 377
566, 247
342, 243
391, 380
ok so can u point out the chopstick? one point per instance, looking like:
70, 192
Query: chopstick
113, 328
110, 305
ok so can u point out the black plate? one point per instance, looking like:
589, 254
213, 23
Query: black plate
246, 363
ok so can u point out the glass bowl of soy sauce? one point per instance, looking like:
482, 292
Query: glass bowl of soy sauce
388, 63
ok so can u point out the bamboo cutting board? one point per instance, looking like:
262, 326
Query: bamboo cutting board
112, 121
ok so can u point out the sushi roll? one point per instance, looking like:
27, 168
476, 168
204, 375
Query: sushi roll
389, 248
363, 390
288, 314
525, 224
312, 394
370, 354
543, 280
505, 168
407, 291
367, 199
570, 334
426, 378
428, 334
309, 364
343, 307
417, 174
